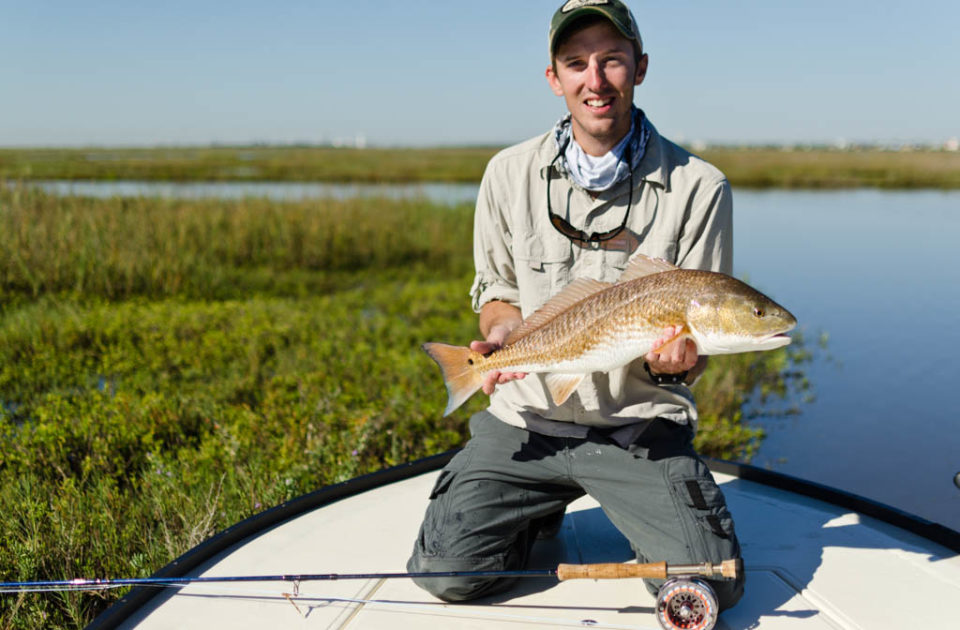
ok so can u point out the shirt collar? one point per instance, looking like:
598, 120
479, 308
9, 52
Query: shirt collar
652, 168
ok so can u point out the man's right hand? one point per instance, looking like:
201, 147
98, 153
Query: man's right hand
493, 378
494, 341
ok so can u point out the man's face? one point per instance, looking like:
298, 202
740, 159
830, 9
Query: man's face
595, 74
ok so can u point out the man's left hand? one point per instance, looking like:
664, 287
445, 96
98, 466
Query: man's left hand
680, 355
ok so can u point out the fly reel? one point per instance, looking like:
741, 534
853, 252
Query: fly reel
687, 603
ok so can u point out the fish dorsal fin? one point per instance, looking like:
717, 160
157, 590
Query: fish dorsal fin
640, 266
577, 290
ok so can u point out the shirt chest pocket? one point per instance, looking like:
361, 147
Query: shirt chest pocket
660, 247
543, 264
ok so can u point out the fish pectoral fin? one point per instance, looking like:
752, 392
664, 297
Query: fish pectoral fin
680, 335
562, 385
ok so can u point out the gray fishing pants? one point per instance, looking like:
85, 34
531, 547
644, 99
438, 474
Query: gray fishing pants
488, 502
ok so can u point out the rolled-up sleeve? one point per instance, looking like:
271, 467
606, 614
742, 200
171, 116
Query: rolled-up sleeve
492, 254
707, 239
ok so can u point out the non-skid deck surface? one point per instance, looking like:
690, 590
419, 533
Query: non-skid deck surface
809, 566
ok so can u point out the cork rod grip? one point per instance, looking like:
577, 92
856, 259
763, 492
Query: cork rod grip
611, 571
731, 569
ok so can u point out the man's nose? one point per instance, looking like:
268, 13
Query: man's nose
595, 76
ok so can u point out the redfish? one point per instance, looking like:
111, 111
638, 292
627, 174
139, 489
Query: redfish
593, 326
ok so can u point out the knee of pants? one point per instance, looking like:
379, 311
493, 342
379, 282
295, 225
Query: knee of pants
454, 588
728, 592
461, 589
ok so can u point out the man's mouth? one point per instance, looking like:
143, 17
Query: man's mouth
599, 102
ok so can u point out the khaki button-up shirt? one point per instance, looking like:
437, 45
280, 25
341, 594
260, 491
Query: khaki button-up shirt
681, 211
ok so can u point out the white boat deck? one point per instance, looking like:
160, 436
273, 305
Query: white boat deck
809, 565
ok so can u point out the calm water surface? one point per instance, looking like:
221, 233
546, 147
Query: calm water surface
877, 271
439, 192
880, 273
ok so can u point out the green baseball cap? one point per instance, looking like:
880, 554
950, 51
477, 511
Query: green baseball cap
614, 10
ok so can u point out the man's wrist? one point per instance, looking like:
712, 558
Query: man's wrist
497, 320
660, 378
499, 333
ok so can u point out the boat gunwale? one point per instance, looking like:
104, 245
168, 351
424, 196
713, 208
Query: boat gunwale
139, 596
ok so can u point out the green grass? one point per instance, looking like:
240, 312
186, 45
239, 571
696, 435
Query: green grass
774, 168
168, 368
749, 167
249, 163
120, 248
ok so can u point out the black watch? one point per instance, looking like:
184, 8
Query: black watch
666, 379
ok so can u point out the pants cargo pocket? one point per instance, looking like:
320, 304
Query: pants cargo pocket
433, 539
705, 496
442, 483
713, 522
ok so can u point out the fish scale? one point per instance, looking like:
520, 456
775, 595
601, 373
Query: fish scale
596, 327
624, 314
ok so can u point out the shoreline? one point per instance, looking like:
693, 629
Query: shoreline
749, 168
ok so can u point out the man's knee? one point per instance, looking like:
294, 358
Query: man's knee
454, 588
461, 589
728, 592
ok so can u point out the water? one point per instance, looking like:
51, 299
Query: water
438, 192
877, 271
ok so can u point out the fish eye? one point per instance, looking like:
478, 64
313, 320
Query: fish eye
758, 311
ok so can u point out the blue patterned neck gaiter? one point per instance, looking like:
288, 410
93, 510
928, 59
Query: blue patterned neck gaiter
601, 173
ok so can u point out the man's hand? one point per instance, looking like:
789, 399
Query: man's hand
497, 320
677, 356
494, 341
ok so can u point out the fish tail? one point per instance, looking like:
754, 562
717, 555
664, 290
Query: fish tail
459, 374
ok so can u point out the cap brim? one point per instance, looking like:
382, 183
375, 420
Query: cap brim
581, 12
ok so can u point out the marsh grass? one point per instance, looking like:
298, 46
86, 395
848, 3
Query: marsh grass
168, 368
744, 167
775, 168
249, 163
119, 248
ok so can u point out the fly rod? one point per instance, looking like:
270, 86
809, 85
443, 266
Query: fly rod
728, 569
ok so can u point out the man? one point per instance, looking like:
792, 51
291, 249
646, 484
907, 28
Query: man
579, 201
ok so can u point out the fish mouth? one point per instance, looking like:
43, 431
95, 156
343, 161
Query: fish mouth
777, 340
741, 341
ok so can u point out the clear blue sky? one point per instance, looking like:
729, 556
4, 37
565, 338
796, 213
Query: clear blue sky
435, 73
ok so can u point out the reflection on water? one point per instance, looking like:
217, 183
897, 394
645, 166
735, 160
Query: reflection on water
785, 392
437, 192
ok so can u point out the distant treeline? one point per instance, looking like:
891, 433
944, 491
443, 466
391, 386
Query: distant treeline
745, 167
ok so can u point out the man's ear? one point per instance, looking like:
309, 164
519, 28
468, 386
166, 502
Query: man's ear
641, 69
554, 81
